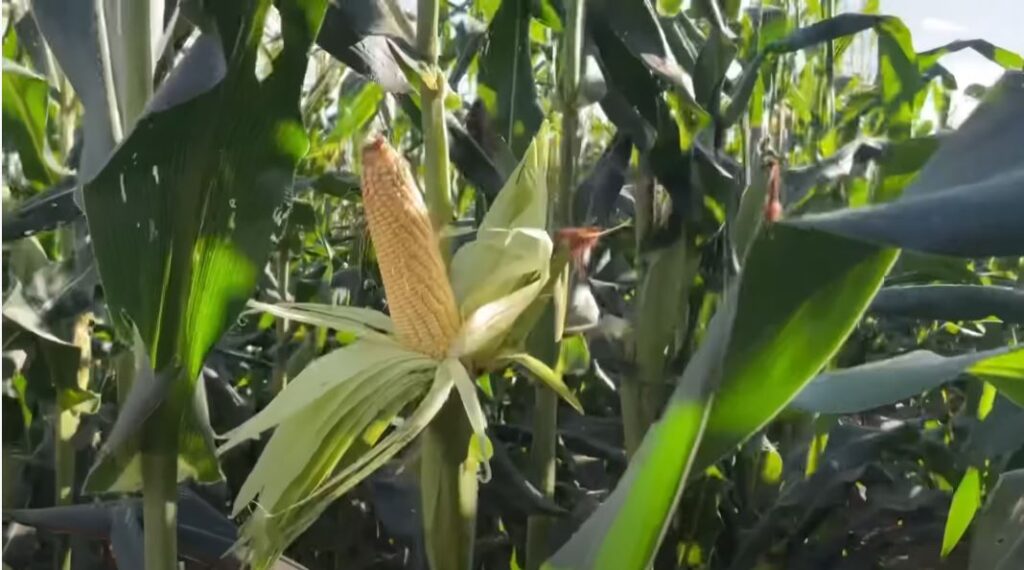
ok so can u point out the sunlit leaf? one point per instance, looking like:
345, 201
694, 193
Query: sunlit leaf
966, 501
773, 333
885, 382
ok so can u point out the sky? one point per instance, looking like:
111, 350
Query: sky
936, 22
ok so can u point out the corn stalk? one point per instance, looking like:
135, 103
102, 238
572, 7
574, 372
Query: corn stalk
545, 411
66, 425
448, 492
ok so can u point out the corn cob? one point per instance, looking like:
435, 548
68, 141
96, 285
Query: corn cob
419, 294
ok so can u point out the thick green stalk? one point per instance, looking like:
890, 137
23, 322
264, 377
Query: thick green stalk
545, 412
435, 135
448, 492
630, 399
160, 479
159, 486
67, 425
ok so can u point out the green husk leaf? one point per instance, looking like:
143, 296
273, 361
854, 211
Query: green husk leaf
354, 319
348, 366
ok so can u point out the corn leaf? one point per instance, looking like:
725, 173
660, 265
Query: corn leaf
180, 216
546, 375
355, 319
951, 302
881, 383
1005, 372
318, 454
773, 333
25, 102
998, 537
966, 200
966, 501
507, 86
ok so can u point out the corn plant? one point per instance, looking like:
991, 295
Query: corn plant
514, 283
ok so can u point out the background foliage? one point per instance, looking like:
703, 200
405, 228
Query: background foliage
818, 288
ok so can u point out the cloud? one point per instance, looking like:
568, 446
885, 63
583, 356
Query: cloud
939, 25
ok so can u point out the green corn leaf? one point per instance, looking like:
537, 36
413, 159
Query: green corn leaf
998, 537
951, 302
774, 331
181, 214
306, 449
1005, 372
25, 102
507, 86
966, 501
966, 199
545, 374
885, 382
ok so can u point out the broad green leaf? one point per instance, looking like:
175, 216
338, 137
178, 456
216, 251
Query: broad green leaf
356, 106
951, 302
363, 35
885, 382
181, 215
78, 49
636, 25
998, 539
25, 103
789, 323
966, 501
625, 530
1005, 372
506, 86
773, 332
965, 202
1000, 56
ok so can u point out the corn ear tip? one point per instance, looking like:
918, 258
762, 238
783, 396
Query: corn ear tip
375, 143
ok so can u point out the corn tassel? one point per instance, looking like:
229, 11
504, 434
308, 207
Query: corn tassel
419, 294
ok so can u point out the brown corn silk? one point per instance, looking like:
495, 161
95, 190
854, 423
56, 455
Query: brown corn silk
419, 294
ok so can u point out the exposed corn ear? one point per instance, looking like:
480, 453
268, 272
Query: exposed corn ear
419, 294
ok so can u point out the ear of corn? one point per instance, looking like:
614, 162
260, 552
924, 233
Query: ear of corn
419, 293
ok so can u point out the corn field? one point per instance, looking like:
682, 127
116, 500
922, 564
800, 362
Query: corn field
508, 284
